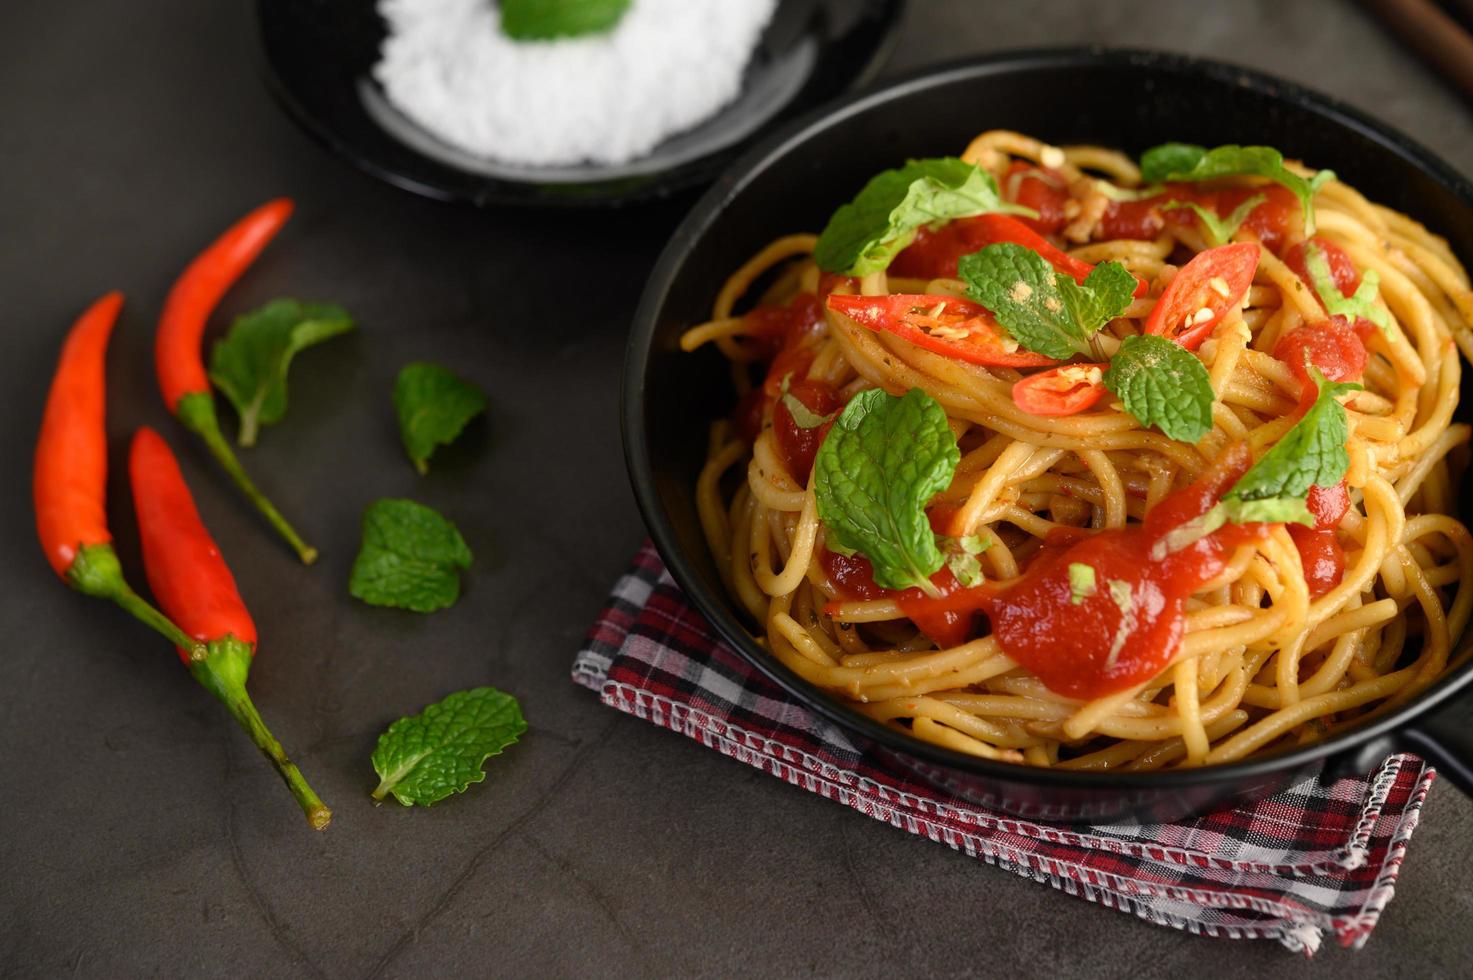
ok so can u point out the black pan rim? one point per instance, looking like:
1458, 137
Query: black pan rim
717, 609
492, 192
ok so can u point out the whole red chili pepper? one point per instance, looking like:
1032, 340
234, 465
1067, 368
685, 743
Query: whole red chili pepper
177, 356
69, 484
191, 581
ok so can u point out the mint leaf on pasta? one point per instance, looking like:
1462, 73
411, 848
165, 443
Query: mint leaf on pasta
433, 406
1187, 162
1164, 385
1362, 303
1044, 310
883, 460
1312, 453
1219, 230
864, 235
411, 558
250, 363
426, 757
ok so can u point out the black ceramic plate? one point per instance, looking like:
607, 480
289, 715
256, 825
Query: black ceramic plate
1128, 100
319, 54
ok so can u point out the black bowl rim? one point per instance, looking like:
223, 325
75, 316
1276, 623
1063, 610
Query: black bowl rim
492, 191
718, 610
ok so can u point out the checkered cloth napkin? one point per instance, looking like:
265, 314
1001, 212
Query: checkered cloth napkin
1313, 858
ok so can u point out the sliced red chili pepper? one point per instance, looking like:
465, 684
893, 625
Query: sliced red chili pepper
1203, 292
177, 356
945, 325
1065, 390
192, 582
69, 483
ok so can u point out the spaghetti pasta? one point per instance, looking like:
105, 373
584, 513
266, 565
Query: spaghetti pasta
1290, 637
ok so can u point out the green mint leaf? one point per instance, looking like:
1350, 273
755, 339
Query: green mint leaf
803, 416
249, 364
1018, 286
410, 558
544, 20
426, 757
883, 460
1104, 295
865, 234
433, 406
1219, 230
1044, 310
1189, 163
1164, 385
1081, 581
1360, 304
1311, 453
961, 557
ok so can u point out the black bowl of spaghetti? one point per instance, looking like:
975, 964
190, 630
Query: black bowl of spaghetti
1104, 472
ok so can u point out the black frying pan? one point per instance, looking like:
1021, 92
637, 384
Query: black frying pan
1125, 99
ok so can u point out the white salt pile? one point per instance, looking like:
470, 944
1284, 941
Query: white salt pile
604, 99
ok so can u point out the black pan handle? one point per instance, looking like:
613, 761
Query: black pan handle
1444, 737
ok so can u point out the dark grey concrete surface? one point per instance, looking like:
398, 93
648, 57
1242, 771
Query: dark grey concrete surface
139, 833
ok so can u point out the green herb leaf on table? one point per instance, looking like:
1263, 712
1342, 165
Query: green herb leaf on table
1309, 454
411, 558
1190, 163
1219, 230
426, 757
864, 235
546, 20
1164, 385
434, 405
249, 364
882, 461
1044, 310
1362, 303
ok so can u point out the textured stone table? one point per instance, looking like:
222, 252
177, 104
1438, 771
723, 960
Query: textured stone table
140, 834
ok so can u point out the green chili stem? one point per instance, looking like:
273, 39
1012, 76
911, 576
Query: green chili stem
197, 412
223, 673
96, 572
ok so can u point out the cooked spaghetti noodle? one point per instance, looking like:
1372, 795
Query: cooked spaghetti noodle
1268, 659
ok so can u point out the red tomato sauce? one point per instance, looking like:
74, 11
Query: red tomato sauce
948, 621
781, 334
932, 254
796, 445
1274, 221
1124, 632
1334, 349
1319, 547
1045, 191
1342, 270
1129, 628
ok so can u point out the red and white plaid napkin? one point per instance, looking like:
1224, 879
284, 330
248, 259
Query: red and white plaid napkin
1313, 858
